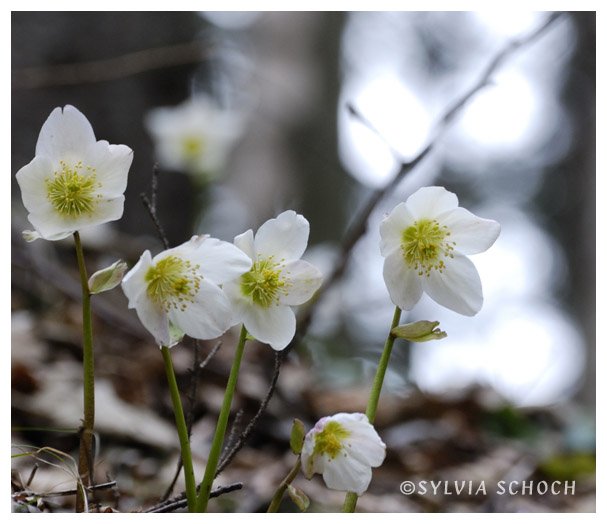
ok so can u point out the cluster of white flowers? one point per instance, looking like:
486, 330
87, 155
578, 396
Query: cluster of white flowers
204, 286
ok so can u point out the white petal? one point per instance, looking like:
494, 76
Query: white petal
32, 181
428, 202
219, 261
309, 461
207, 317
50, 222
393, 227
470, 233
112, 164
133, 283
284, 237
458, 287
245, 242
305, 279
404, 284
274, 325
154, 319
64, 133
347, 474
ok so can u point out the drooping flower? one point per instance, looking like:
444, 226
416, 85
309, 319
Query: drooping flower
262, 297
178, 291
194, 137
425, 241
74, 181
343, 448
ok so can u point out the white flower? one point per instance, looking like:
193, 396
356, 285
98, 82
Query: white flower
74, 181
178, 291
262, 298
343, 448
425, 240
194, 137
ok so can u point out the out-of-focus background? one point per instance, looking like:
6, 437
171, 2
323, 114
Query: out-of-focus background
509, 394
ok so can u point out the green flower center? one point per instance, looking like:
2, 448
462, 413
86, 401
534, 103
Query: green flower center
73, 191
265, 282
172, 283
192, 147
330, 440
425, 246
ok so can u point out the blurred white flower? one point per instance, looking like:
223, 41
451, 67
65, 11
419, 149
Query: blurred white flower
262, 297
425, 240
343, 448
74, 181
178, 291
194, 137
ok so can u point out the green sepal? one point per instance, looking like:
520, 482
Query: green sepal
108, 278
298, 433
420, 331
299, 497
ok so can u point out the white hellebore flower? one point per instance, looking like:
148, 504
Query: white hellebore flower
74, 181
425, 240
178, 291
194, 137
343, 448
262, 297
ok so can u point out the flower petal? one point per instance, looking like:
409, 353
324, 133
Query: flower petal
284, 237
207, 316
112, 164
64, 132
427, 202
154, 319
305, 279
404, 284
219, 261
458, 287
274, 325
393, 227
32, 181
345, 474
133, 284
246, 242
470, 233
50, 223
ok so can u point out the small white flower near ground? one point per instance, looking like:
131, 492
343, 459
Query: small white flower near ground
74, 181
343, 448
262, 298
178, 291
425, 241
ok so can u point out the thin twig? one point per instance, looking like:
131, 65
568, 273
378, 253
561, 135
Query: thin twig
151, 208
233, 434
31, 477
98, 487
278, 358
359, 226
180, 501
110, 69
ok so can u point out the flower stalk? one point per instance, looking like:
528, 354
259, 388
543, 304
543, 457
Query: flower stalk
352, 498
85, 460
277, 499
182, 431
220, 429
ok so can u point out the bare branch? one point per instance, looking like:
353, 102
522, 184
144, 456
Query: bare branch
181, 502
151, 207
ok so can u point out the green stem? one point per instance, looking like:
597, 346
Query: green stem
182, 431
275, 504
85, 460
220, 429
352, 498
